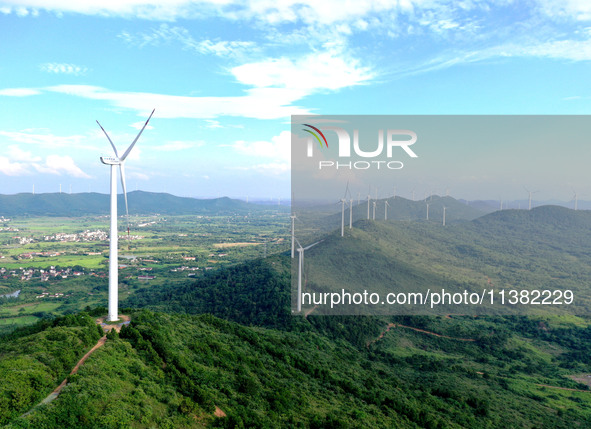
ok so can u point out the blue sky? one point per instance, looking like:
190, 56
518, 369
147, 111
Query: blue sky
225, 77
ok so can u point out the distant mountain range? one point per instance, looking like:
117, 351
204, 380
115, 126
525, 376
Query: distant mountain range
140, 202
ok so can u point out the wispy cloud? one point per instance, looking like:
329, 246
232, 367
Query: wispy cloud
173, 146
271, 168
63, 68
11, 168
261, 103
166, 34
278, 148
44, 139
58, 165
19, 92
19, 162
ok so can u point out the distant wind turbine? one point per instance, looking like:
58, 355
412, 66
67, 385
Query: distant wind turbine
530, 194
342, 217
444, 208
374, 210
575, 196
113, 257
386, 205
427, 211
351, 213
301, 251
293, 218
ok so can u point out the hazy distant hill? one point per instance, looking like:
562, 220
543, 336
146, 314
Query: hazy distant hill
97, 204
548, 247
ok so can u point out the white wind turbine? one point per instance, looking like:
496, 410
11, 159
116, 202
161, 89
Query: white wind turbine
301, 251
576, 198
386, 205
427, 211
530, 193
342, 217
113, 236
374, 210
444, 208
351, 213
293, 218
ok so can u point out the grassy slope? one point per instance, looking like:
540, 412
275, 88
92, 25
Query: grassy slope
173, 370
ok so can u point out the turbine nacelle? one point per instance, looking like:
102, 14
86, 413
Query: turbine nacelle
109, 160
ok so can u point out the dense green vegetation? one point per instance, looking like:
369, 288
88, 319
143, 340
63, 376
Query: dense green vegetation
170, 371
222, 349
34, 360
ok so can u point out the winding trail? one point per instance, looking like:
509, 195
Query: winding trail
394, 325
101, 342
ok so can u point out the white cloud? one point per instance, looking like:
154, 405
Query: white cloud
19, 92
136, 176
279, 148
45, 139
140, 124
62, 68
166, 34
177, 145
17, 154
261, 103
272, 168
309, 73
11, 168
58, 164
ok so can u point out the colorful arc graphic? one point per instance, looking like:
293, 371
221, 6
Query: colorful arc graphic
316, 135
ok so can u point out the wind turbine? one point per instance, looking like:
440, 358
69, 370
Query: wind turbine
386, 205
427, 211
530, 193
444, 208
374, 210
576, 199
351, 213
293, 218
113, 236
342, 217
301, 251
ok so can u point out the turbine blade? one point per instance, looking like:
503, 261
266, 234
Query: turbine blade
138, 136
122, 173
110, 141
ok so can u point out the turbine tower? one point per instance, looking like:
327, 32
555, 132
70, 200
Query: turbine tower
351, 213
386, 205
342, 217
113, 235
293, 218
427, 211
374, 210
444, 208
368, 198
301, 251
576, 198
530, 193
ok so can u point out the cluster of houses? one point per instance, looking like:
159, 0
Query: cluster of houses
31, 255
39, 273
88, 235
48, 295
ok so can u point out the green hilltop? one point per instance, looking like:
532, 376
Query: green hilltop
140, 202
224, 350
